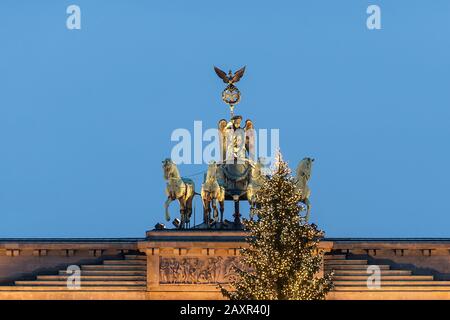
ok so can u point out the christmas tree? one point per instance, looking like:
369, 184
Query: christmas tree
282, 259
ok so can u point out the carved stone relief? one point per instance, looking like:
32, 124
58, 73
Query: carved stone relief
191, 270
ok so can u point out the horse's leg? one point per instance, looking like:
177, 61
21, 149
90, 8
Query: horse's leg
208, 211
182, 212
208, 219
308, 209
222, 209
214, 206
204, 209
189, 209
166, 206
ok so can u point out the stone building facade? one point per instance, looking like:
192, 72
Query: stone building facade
189, 264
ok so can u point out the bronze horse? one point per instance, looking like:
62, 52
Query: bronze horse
212, 194
180, 189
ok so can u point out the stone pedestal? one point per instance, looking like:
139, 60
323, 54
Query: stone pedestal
190, 264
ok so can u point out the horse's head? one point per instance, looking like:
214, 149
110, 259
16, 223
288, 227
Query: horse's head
212, 170
304, 168
169, 168
257, 168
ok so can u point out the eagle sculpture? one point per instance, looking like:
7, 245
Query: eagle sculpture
230, 78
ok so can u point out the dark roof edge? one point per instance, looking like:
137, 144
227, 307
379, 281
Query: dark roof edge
387, 239
102, 240
115, 240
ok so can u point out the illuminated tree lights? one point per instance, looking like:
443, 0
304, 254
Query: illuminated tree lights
282, 260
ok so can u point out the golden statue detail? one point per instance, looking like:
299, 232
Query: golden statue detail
231, 78
178, 188
213, 194
303, 172
231, 95
236, 143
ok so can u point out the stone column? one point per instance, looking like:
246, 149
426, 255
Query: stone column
152, 268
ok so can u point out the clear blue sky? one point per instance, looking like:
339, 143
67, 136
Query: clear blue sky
86, 115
